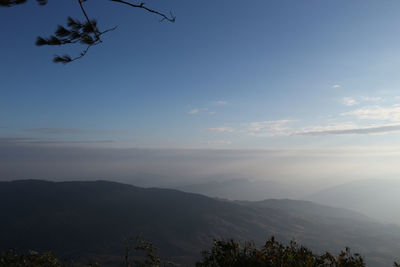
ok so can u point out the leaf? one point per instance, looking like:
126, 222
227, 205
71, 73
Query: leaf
62, 59
41, 41
62, 32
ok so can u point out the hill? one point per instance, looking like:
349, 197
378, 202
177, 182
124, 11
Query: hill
85, 220
240, 189
379, 199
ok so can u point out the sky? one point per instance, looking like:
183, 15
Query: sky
288, 75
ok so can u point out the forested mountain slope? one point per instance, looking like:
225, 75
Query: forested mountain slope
85, 220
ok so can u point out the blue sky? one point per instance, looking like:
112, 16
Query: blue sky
227, 74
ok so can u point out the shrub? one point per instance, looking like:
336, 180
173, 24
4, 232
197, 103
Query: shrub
272, 254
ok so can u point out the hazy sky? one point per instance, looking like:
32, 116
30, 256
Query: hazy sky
287, 75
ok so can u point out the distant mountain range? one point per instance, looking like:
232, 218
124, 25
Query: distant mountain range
83, 220
240, 189
379, 199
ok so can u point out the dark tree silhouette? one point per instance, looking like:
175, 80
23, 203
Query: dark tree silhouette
231, 253
85, 32
224, 253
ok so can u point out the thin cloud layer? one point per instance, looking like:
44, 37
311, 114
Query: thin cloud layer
367, 120
348, 101
56, 130
193, 111
268, 128
206, 109
16, 140
282, 128
40, 141
377, 113
219, 142
221, 130
345, 130
372, 99
220, 103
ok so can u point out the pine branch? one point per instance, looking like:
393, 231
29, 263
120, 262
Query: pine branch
76, 32
170, 18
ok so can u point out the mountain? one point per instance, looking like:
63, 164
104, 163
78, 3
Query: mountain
83, 220
240, 189
379, 199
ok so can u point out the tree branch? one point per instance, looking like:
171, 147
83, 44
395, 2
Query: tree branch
95, 31
67, 59
77, 32
141, 5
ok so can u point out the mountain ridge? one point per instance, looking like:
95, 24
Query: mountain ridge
79, 219
378, 199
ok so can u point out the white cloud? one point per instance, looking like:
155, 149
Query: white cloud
220, 103
348, 101
194, 111
282, 128
335, 86
268, 128
377, 113
279, 128
221, 130
348, 129
372, 99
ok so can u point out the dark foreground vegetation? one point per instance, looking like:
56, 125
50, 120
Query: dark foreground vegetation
227, 253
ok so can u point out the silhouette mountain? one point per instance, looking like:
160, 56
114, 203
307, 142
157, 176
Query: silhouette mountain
90, 220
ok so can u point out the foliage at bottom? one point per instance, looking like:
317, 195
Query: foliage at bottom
224, 253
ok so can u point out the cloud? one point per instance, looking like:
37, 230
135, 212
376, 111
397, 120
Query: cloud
282, 128
32, 140
372, 99
67, 142
193, 111
220, 103
221, 130
207, 109
349, 130
219, 142
268, 128
16, 140
56, 130
348, 101
335, 86
377, 113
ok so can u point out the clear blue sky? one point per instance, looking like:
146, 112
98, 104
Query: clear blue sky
227, 74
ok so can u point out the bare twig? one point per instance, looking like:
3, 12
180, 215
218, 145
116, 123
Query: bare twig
141, 5
83, 53
109, 30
